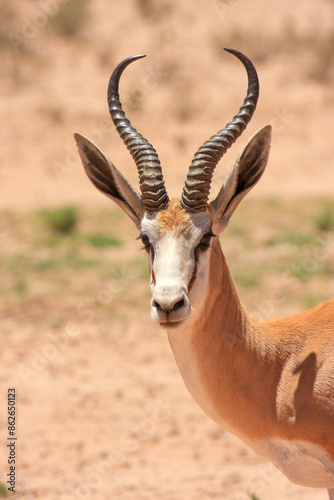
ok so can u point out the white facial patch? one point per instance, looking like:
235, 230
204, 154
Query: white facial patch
174, 264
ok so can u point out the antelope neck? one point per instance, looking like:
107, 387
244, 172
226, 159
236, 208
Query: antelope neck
212, 350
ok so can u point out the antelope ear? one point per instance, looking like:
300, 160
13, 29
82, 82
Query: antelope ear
107, 179
245, 174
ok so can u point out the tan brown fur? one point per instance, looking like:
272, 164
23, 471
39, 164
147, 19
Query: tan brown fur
173, 218
268, 379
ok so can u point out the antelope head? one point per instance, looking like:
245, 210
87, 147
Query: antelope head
179, 235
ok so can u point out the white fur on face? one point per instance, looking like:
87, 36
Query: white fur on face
175, 264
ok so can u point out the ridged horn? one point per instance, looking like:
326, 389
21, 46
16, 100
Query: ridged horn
152, 186
197, 186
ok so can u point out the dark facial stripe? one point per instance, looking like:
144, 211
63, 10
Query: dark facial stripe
150, 267
197, 251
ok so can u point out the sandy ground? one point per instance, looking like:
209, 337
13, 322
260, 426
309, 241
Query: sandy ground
102, 410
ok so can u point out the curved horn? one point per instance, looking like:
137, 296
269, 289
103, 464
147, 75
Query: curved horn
152, 186
197, 186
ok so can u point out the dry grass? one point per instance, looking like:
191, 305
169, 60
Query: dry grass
76, 336
79, 340
265, 240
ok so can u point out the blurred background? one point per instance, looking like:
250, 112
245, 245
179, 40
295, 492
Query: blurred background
102, 410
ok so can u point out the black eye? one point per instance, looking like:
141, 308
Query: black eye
205, 241
146, 242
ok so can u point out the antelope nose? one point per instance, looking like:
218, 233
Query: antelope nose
169, 306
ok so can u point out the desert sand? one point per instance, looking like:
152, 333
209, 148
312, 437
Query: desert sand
102, 412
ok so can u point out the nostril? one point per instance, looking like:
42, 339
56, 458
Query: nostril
178, 305
168, 307
157, 305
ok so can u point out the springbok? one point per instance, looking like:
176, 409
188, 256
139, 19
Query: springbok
270, 382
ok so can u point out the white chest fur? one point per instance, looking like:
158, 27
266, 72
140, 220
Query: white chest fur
303, 463
192, 377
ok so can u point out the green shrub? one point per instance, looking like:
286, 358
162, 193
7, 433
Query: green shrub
3, 491
324, 220
102, 240
62, 220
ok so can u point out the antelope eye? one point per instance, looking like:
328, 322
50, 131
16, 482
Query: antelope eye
205, 240
145, 241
